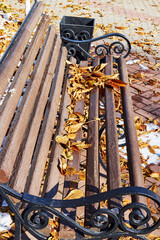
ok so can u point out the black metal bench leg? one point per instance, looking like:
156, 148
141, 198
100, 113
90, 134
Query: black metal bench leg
18, 228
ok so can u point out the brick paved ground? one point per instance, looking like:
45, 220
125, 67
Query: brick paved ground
139, 20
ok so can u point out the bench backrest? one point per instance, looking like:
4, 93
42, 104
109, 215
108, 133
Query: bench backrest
34, 67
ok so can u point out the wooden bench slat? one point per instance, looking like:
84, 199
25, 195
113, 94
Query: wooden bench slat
79, 107
72, 181
51, 178
134, 160
92, 161
16, 50
47, 135
9, 106
26, 155
112, 151
11, 146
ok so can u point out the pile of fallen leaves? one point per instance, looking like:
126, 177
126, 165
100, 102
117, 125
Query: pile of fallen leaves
9, 24
83, 80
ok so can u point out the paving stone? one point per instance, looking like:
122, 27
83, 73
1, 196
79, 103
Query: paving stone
140, 86
138, 98
156, 112
146, 114
138, 104
154, 168
152, 107
147, 94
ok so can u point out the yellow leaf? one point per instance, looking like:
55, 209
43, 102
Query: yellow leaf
54, 234
139, 75
82, 175
74, 194
121, 27
70, 171
73, 128
62, 139
67, 154
126, 201
69, 63
154, 188
80, 116
151, 149
153, 237
99, 67
79, 145
155, 175
72, 136
53, 223
155, 147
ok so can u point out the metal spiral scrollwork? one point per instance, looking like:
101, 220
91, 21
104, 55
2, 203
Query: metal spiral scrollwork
102, 50
68, 33
35, 217
116, 48
100, 220
109, 224
83, 35
139, 218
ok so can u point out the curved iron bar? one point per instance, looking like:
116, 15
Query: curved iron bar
41, 206
117, 49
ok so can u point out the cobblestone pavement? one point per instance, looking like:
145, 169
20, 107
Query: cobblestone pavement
139, 20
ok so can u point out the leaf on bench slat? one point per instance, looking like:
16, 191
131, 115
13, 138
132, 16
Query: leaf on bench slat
62, 139
74, 194
73, 128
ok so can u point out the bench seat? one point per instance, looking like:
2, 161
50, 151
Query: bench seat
36, 173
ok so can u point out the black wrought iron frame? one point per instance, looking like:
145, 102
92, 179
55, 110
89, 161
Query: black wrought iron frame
116, 48
109, 223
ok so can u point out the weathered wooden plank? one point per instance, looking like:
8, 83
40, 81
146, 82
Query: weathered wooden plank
40, 156
25, 157
16, 49
112, 151
53, 179
79, 107
134, 160
92, 162
11, 146
8, 107
72, 181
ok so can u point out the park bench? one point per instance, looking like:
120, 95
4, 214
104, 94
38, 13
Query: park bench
34, 78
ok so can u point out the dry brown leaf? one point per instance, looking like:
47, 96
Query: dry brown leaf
151, 149
154, 188
79, 145
72, 136
73, 128
53, 223
139, 75
67, 154
121, 27
70, 171
74, 194
54, 234
62, 139
155, 175
82, 175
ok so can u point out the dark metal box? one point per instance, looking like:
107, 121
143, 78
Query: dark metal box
77, 28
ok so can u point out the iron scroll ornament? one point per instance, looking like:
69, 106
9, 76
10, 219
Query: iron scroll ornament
116, 48
36, 215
